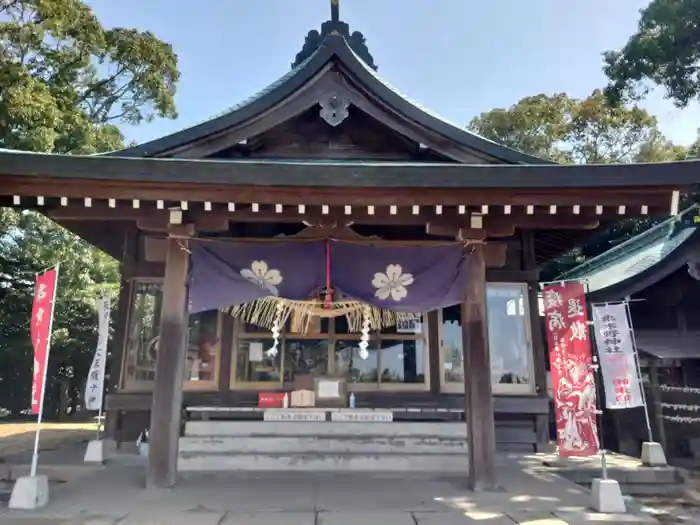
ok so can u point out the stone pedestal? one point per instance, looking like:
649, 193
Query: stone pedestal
95, 452
30, 492
653, 455
606, 497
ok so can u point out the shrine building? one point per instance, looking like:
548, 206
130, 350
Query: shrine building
330, 235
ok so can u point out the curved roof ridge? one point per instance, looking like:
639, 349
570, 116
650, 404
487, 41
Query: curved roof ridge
631, 246
442, 118
471, 139
220, 120
334, 46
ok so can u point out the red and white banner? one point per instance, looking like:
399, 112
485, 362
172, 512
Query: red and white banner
573, 379
618, 357
42, 316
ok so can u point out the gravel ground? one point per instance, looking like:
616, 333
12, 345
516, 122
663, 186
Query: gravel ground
16, 438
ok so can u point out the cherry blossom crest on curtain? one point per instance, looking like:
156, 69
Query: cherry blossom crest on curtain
226, 273
400, 278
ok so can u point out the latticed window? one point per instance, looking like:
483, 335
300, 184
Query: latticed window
143, 336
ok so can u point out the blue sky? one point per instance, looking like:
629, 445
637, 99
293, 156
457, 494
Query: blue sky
458, 57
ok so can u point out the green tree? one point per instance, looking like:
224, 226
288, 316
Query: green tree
665, 51
536, 125
585, 131
570, 130
32, 241
67, 83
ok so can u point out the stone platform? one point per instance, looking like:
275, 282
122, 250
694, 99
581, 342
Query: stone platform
634, 478
528, 495
369, 444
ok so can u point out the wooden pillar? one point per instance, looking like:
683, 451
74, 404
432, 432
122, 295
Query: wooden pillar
113, 381
656, 402
115, 359
166, 410
481, 442
539, 349
225, 353
434, 349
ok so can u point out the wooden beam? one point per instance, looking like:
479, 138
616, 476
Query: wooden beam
481, 433
216, 219
166, 410
155, 249
495, 254
654, 198
468, 234
203, 222
506, 275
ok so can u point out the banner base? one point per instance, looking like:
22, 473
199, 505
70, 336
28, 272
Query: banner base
95, 451
606, 497
653, 455
30, 492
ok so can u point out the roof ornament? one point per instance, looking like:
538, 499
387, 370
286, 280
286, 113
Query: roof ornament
334, 108
335, 11
335, 26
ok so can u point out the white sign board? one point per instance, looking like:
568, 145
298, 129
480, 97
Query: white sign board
363, 416
328, 389
255, 352
291, 415
617, 354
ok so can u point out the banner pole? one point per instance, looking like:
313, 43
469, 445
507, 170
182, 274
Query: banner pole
103, 305
598, 375
639, 369
99, 422
35, 454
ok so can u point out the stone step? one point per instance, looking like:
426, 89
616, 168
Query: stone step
653, 489
323, 462
365, 444
454, 430
637, 476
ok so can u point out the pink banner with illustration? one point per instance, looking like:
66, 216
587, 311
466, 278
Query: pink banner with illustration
573, 379
40, 330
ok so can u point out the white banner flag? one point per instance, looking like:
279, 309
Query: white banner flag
617, 355
96, 377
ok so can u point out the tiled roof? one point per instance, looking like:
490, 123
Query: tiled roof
334, 47
669, 344
634, 256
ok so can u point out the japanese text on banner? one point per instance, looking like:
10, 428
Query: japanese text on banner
40, 330
617, 357
573, 380
94, 385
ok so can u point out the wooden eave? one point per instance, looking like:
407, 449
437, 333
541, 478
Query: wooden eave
488, 200
554, 178
334, 52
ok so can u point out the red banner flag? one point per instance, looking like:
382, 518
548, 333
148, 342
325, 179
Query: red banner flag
573, 379
42, 318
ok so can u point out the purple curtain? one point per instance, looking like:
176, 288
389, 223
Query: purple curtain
227, 273
400, 278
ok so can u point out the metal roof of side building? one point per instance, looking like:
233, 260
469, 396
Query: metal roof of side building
642, 260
